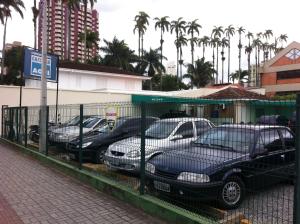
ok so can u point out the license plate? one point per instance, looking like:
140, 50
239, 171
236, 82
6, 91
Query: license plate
161, 186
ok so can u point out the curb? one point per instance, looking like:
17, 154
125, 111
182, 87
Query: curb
150, 205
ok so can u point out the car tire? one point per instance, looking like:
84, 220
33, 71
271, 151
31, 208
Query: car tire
99, 156
232, 193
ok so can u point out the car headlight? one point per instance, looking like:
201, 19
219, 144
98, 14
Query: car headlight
133, 154
84, 145
193, 177
150, 168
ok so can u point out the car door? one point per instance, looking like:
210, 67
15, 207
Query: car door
201, 127
186, 130
288, 156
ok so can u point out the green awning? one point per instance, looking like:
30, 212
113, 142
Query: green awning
282, 103
180, 100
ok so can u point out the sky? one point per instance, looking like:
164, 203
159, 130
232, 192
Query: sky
116, 19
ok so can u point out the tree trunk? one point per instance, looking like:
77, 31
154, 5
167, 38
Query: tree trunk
223, 59
3, 49
228, 73
177, 68
34, 25
85, 30
239, 58
214, 59
192, 47
161, 56
139, 45
203, 52
142, 43
217, 76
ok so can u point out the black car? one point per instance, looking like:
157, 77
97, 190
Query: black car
224, 162
273, 120
96, 143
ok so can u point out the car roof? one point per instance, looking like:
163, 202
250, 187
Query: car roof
136, 117
256, 127
183, 119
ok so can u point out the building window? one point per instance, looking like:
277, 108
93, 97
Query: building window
288, 74
293, 54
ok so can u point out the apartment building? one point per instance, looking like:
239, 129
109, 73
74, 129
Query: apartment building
58, 24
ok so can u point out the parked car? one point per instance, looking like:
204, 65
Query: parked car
273, 120
63, 135
161, 136
34, 131
292, 122
174, 114
224, 162
95, 144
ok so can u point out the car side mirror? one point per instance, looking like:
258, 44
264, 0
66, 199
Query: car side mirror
176, 137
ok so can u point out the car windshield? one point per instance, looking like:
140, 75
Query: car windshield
233, 139
161, 129
74, 121
90, 122
120, 121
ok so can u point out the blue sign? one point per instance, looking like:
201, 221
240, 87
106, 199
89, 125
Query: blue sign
33, 65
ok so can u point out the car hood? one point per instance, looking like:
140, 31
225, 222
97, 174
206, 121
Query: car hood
70, 130
195, 159
134, 143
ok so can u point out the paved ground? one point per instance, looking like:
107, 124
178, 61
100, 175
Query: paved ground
33, 193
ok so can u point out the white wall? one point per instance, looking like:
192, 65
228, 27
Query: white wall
87, 80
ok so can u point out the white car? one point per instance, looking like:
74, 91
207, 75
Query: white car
68, 133
165, 134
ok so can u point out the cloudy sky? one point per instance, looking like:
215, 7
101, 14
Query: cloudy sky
116, 19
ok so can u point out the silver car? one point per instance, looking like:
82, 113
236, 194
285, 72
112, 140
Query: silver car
165, 134
68, 133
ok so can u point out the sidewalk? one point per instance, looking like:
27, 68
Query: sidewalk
33, 193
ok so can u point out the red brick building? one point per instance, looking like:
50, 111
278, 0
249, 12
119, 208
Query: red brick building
281, 74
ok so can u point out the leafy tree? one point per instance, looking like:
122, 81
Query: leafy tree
166, 83
163, 24
180, 42
200, 74
13, 63
118, 54
35, 13
229, 32
242, 77
192, 28
91, 40
178, 26
5, 12
141, 21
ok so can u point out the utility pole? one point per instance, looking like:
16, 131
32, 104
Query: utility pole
43, 104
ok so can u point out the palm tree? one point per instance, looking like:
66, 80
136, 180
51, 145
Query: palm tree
118, 54
242, 76
5, 12
282, 38
224, 43
141, 21
85, 4
267, 34
71, 5
213, 43
92, 39
178, 26
35, 13
248, 51
164, 25
249, 35
229, 32
240, 30
217, 33
151, 64
265, 47
193, 27
200, 74
180, 42
256, 44
204, 41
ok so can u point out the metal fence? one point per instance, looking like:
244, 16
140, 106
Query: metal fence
232, 161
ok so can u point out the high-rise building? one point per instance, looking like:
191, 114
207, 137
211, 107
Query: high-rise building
58, 23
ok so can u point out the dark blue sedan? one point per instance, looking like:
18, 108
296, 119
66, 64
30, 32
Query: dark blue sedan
223, 163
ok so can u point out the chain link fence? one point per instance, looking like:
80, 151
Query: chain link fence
231, 161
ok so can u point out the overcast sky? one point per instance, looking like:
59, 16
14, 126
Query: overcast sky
116, 19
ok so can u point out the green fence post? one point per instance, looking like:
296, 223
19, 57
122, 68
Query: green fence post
2, 121
142, 168
47, 127
296, 212
17, 123
80, 136
26, 123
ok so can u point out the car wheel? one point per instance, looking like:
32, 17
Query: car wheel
99, 157
232, 193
